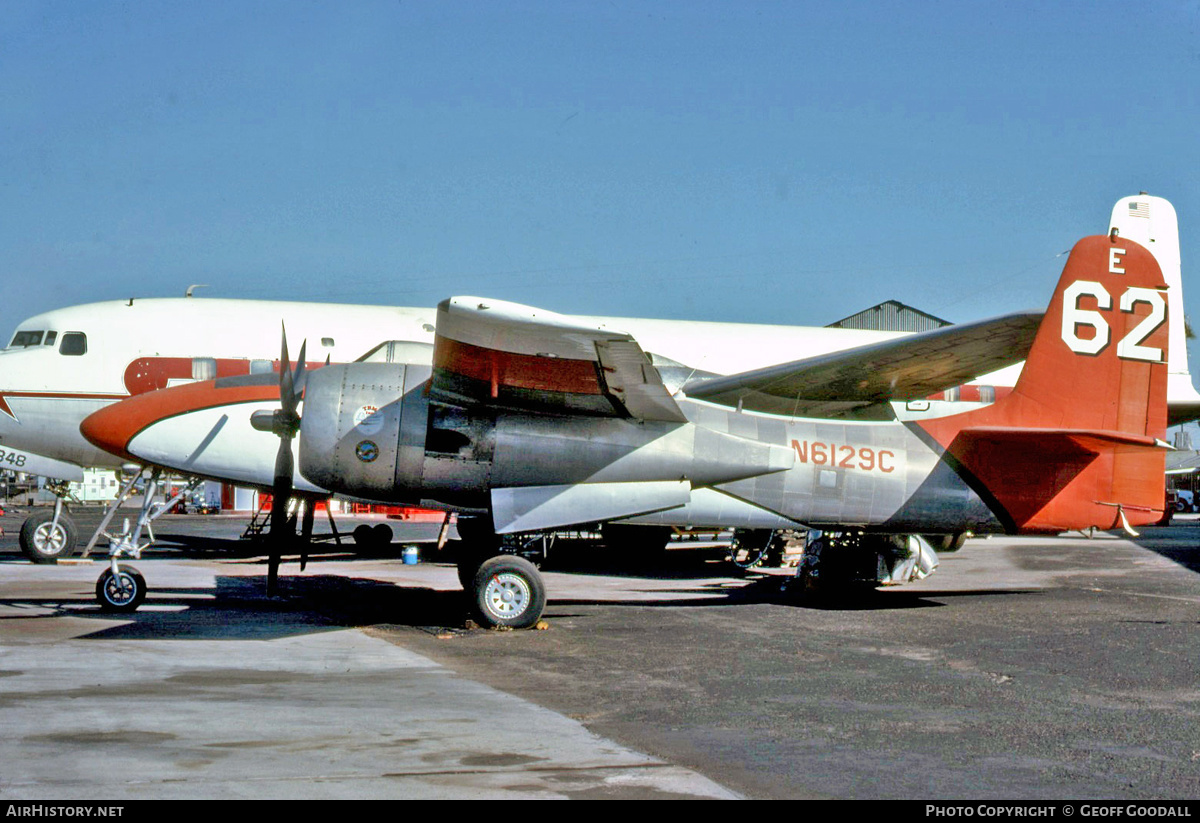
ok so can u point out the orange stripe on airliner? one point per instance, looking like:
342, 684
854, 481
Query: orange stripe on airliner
114, 427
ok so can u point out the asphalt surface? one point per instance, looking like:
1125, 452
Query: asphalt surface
1031, 668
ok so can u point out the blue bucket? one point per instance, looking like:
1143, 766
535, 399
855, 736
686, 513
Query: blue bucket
411, 556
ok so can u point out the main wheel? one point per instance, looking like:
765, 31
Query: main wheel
508, 591
947, 542
382, 534
121, 592
43, 541
372, 539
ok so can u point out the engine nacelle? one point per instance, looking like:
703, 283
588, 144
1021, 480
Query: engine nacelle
363, 427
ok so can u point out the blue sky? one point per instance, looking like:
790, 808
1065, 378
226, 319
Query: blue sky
782, 162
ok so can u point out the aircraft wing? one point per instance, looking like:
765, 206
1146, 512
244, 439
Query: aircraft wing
904, 368
514, 356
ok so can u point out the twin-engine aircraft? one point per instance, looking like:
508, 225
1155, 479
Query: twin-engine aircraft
527, 421
63, 365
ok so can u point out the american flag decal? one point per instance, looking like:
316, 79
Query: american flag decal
1139, 208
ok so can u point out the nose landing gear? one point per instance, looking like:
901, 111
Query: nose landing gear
120, 589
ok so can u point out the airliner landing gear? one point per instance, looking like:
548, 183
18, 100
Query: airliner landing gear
48, 536
122, 590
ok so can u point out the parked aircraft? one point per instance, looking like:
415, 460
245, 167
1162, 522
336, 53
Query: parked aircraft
533, 421
64, 364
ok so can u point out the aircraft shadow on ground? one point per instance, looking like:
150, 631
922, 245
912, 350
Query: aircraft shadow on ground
237, 608
1180, 543
678, 564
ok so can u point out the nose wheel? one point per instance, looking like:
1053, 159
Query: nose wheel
122, 591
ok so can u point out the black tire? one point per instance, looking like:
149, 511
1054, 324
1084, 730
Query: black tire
948, 543
123, 592
381, 535
508, 592
372, 539
42, 544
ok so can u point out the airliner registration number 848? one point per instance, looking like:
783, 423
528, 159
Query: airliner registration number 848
12, 458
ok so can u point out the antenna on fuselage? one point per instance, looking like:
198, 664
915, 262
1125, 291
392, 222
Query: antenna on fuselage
193, 287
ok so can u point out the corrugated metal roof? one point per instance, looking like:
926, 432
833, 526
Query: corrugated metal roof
891, 315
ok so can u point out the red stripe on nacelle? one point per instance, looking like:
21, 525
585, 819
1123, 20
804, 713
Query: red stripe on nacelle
521, 371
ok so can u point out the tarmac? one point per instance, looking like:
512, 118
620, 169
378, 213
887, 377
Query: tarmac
213, 690
1024, 668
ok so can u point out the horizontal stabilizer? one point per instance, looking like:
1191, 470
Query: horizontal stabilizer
1028, 473
904, 368
537, 508
1094, 440
514, 356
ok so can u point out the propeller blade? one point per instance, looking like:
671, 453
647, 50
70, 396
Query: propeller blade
298, 374
285, 423
287, 390
281, 492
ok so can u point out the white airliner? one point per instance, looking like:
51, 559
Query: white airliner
63, 365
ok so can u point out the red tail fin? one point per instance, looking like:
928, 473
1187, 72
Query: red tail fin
1074, 444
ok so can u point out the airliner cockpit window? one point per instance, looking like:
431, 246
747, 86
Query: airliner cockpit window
51, 336
24, 339
73, 343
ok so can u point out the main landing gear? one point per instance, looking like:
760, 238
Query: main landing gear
840, 561
48, 536
505, 590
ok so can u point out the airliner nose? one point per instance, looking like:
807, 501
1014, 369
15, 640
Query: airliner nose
115, 425
115, 428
